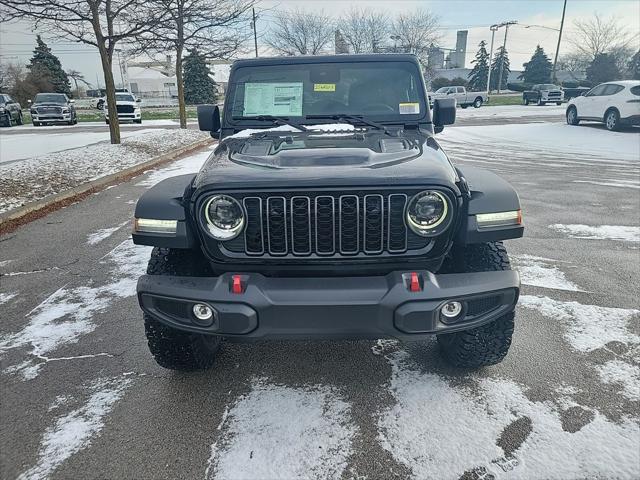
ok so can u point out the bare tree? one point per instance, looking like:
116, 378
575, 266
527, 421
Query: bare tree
575, 64
77, 76
364, 30
599, 35
417, 31
300, 33
100, 23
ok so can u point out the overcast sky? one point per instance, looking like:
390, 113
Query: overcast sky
17, 40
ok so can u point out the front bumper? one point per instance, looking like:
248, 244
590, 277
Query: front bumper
51, 118
345, 307
126, 116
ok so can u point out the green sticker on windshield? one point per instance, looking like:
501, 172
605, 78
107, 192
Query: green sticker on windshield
279, 99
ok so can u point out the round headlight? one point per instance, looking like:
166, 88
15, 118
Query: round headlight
426, 211
225, 217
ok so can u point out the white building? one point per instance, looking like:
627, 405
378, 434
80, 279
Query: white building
148, 82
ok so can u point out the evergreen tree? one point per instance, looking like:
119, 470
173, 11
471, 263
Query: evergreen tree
501, 58
634, 66
538, 69
603, 68
46, 71
199, 87
478, 75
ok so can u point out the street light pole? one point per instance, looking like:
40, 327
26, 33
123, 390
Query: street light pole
493, 29
555, 60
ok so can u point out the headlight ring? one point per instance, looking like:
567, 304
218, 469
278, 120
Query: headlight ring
224, 216
428, 213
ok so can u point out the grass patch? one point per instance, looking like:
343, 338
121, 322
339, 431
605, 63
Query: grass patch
495, 100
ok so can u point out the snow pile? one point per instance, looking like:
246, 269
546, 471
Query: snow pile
589, 326
621, 373
74, 431
35, 178
540, 272
190, 164
441, 429
67, 314
277, 431
600, 232
5, 297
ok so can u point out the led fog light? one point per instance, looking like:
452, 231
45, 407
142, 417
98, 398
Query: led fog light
202, 312
452, 309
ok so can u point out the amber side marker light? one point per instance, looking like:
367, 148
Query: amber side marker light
500, 219
150, 225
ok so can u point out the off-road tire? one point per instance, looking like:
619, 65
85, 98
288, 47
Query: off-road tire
19, 120
171, 348
488, 344
572, 116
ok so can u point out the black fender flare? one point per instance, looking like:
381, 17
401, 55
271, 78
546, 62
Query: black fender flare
487, 193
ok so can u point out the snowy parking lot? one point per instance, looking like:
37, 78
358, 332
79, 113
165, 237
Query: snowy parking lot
83, 398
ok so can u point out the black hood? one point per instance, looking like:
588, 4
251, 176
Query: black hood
274, 159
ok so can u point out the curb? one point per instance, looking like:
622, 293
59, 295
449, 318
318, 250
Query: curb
10, 220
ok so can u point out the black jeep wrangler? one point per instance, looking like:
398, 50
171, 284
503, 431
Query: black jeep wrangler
328, 210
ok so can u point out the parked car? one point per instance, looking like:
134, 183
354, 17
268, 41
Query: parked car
128, 107
463, 98
10, 111
542, 94
613, 103
347, 221
49, 108
573, 92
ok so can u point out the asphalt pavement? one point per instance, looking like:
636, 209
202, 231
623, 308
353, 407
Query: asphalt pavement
83, 399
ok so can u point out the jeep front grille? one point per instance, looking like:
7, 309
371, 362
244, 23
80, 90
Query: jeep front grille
324, 225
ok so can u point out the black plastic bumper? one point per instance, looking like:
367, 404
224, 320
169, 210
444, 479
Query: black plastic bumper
345, 307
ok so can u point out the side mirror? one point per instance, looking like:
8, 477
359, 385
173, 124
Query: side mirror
72, 100
138, 100
444, 113
209, 119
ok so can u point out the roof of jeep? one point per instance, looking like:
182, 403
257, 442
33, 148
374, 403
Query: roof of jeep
364, 57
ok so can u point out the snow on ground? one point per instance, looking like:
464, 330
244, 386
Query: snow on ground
526, 139
67, 314
276, 431
599, 232
589, 327
32, 145
512, 111
541, 272
441, 429
5, 297
74, 431
36, 178
29, 128
104, 233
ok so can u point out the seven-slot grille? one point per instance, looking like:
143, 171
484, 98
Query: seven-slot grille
325, 224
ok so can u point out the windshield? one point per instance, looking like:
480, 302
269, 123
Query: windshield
386, 91
50, 98
124, 97
548, 86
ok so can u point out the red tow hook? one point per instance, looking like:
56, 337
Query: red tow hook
236, 284
414, 283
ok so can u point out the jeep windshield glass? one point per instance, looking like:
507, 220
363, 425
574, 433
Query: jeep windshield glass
50, 98
390, 92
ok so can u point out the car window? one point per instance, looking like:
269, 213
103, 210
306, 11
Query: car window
460, 90
612, 89
442, 90
596, 91
124, 97
635, 90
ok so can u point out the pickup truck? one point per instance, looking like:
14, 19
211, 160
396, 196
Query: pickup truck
460, 94
542, 94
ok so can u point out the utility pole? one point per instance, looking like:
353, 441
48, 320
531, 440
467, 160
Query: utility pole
493, 29
504, 48
255, 31
555, 60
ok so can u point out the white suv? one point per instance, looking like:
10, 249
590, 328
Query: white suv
612, 103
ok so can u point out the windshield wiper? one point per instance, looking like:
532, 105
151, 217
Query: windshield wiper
352, 119
277, 120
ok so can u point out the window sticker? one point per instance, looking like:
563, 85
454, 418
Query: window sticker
324, 87
409, 108
280, 99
